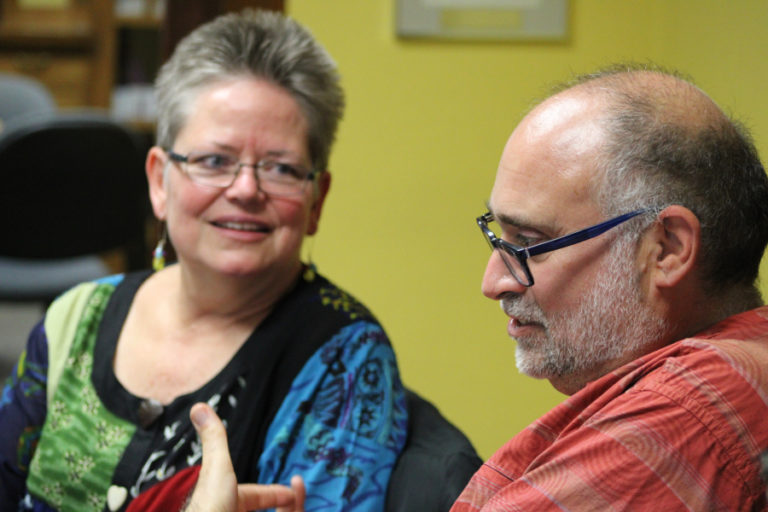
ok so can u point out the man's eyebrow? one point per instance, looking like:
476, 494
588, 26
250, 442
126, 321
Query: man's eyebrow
520, 222
503, 218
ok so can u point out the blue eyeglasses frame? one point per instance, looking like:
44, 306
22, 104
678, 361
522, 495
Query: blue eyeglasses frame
521, 254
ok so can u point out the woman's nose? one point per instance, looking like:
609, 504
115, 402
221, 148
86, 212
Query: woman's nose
246, 184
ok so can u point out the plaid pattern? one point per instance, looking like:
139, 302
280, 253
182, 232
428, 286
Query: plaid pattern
681, 428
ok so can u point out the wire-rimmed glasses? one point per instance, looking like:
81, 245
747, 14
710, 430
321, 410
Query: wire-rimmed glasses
220, 170
516, 258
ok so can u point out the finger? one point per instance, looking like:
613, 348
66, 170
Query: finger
297, 485
258, 496
213, 436
216, 473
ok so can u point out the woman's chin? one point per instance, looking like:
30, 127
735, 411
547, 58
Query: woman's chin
249, 268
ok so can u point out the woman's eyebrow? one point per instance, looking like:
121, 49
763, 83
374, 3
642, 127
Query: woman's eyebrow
286, 153
282, 152
221, 146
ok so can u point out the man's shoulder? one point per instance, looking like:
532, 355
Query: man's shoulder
702, 395
732, 356
699, 402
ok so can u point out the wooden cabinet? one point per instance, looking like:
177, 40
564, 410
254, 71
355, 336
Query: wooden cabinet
67, 45
87, 52
138, 27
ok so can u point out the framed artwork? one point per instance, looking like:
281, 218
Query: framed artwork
483, 19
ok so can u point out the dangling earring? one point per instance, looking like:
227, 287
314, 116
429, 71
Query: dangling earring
310, 271
158, 256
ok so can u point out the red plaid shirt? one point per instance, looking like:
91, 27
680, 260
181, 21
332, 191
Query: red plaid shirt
681, 428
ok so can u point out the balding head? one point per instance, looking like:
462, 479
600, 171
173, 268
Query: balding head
672, 98
667, 142
636, 142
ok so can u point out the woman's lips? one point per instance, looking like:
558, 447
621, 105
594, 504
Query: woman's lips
242, 226
242, 230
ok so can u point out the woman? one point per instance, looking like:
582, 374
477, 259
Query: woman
97, 415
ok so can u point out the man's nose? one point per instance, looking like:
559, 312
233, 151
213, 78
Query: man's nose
497, 279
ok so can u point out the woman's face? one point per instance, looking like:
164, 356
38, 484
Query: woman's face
238, 230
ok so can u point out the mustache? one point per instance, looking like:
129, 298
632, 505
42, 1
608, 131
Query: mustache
525, 311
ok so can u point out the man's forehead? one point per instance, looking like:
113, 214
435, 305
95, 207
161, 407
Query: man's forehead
556, 209
546, 172
564, 109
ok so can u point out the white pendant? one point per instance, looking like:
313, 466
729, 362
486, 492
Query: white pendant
116, 497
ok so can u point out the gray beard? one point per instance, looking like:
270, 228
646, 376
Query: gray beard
611, 322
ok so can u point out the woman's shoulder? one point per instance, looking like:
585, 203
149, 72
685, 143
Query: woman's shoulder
66, 305
329, 297
317, 317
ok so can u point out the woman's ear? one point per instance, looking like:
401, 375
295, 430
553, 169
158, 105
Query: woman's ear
155, 169
323, 185
676, 242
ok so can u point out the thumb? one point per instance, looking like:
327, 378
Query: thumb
213, 437
217, 477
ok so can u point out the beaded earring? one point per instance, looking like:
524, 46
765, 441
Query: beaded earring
158, 255
309, 270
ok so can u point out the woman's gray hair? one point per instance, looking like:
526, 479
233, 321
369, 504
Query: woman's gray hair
656, 156
261, 44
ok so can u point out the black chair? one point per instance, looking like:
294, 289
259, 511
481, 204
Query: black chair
72, 187
22, 95
436, 464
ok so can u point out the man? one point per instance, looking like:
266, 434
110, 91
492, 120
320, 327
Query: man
650, 320
628, 217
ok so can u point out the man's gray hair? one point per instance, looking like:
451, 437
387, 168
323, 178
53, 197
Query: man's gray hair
660, 151
261, 44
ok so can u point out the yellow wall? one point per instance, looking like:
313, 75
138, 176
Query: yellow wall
417, 153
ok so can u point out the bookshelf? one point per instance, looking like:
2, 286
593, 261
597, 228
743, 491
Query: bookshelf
102, 53
68, 46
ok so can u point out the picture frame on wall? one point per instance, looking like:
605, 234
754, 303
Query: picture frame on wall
515, 20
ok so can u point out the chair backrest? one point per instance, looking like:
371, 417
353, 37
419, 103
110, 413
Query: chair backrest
71, 184
21, 95
436, 464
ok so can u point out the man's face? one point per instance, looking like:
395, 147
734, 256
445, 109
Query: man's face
585, 313
610, 321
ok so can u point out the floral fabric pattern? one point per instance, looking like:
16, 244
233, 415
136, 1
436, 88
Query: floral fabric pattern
341, 424
345, 418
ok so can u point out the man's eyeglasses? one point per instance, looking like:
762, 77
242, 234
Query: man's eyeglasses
516, 257
220, 170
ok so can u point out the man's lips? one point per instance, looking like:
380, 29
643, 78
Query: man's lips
518, 322
523, 317
517, 326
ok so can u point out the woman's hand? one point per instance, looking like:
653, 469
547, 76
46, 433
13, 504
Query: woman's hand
217, 489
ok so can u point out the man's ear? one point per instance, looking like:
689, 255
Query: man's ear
323, 185
675, 244
154, 167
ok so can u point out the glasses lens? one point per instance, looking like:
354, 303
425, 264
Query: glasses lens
213, 170
513, 264
515, 267
282, 179
211, 179
277, 188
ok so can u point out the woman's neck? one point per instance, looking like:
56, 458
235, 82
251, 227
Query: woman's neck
230, 300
